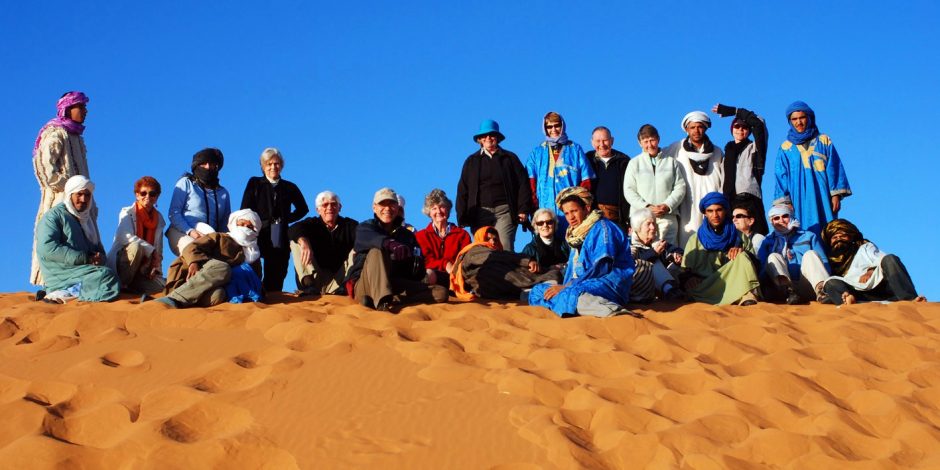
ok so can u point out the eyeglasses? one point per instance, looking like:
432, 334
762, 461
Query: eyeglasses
149, 194
544, 222
778, 217
556, 125
739, 126
489, 136
741, 216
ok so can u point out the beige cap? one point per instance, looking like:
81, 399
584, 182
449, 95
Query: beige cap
385, 194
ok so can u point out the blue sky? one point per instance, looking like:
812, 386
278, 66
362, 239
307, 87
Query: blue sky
370, 94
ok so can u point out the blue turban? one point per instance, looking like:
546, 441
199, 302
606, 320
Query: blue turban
720, 238
811, 130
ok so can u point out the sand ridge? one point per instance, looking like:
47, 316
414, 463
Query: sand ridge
325, 383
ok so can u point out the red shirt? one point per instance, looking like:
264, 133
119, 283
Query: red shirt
438, 252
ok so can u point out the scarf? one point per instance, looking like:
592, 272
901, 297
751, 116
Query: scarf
89, 227
699, 160
720, 238
146, 223
783, 209
554, 142
841, 255
205, 177
457, 280
70, 99
730, 165
811, 130
244, 236
575, 235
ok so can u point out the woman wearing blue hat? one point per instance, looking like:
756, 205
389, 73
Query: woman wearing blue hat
493, 187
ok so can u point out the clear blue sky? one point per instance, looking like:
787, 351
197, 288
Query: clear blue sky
361, 95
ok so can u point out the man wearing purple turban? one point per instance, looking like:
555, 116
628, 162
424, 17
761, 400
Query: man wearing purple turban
59, 154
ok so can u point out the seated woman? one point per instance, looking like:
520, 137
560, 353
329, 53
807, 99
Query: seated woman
136, 255
441, 240
198, 197
484, 269
548, 247
657, 261
745, 218
600, 268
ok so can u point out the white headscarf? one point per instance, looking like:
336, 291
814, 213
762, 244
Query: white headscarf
89, 227
245, 236
783, 209
696, 116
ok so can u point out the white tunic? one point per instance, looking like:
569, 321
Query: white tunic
697, 186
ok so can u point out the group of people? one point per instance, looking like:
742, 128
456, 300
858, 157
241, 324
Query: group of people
685, 222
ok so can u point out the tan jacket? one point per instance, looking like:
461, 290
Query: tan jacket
212, 246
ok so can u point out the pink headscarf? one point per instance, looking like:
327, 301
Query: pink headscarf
61, 120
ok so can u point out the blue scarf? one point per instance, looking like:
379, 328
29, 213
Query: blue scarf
556, 141
811, 130
726, 236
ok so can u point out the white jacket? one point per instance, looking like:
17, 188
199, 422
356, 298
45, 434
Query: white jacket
645, 183
126, 234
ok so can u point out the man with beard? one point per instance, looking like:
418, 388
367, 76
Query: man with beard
862, 272
198, 197
792, 259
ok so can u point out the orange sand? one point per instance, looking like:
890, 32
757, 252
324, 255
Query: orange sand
328, 384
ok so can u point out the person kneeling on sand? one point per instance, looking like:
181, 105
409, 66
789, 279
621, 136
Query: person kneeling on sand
68, 246
719, 267
214, 262
600, 267
862, 272
483, 269
388, 268
792, 259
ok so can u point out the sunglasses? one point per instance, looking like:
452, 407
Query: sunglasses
740, 126
778, 217
741, 216
553, 126
149, 194
544, 222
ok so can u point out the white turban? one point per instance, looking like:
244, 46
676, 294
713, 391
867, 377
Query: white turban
245, 236
783, 209
89, 227
696, 116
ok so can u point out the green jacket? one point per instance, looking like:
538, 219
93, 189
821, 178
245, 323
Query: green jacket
65, 253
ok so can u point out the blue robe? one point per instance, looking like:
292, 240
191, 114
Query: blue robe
571, 168
809, 179
244, 285
603, 267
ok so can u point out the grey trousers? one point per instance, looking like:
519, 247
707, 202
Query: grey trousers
129, 271
499, 218
374, 284
206, 288
590, 305
324, 280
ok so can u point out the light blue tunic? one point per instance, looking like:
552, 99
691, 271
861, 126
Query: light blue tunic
603, 267
800, 242
192, 204
808, 179
571, 168
64, 253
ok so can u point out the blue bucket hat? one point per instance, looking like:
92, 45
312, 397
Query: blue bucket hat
489, 126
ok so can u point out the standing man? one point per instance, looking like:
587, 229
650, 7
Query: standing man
493, 188
322, 247
809, 172
59, 154
654, 181
700, 163
610, 166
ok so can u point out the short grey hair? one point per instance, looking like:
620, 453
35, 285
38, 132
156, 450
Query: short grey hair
543, 210
325, 196
638, 217
437, 197
270, 153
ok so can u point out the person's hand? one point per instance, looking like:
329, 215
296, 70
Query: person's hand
734, 252
533, 266
866, 276
397, 250
659, 246
552, 292
194, 234
306, 254
523, 217
193, 269
431, 276
449, 267
836, 205
97, 259
715, 109
677, 258
659, 210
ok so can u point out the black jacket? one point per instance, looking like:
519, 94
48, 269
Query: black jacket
330, 248
515, 180
370, 234
273, 203
619, 161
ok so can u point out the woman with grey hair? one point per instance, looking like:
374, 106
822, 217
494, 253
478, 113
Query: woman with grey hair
272, 198
441, 240
657, 261
548, 246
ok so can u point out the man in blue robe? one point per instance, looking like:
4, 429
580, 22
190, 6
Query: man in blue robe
809, 173
600, 267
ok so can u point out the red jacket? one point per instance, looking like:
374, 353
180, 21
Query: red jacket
438, 252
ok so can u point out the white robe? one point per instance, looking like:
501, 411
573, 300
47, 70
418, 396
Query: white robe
697, 186
868, 256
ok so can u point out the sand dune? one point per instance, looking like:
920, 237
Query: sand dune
325, 383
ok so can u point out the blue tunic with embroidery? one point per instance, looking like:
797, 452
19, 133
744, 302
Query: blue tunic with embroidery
571, 168
808, 178
602, 266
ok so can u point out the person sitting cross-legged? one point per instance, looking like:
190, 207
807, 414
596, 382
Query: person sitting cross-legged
719, 267
600, 268
862, 272
792, 259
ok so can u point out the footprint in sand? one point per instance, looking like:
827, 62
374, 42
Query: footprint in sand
206, 420
123, 359
280, 359
8, 328
231, 377
94, 417
32, 344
